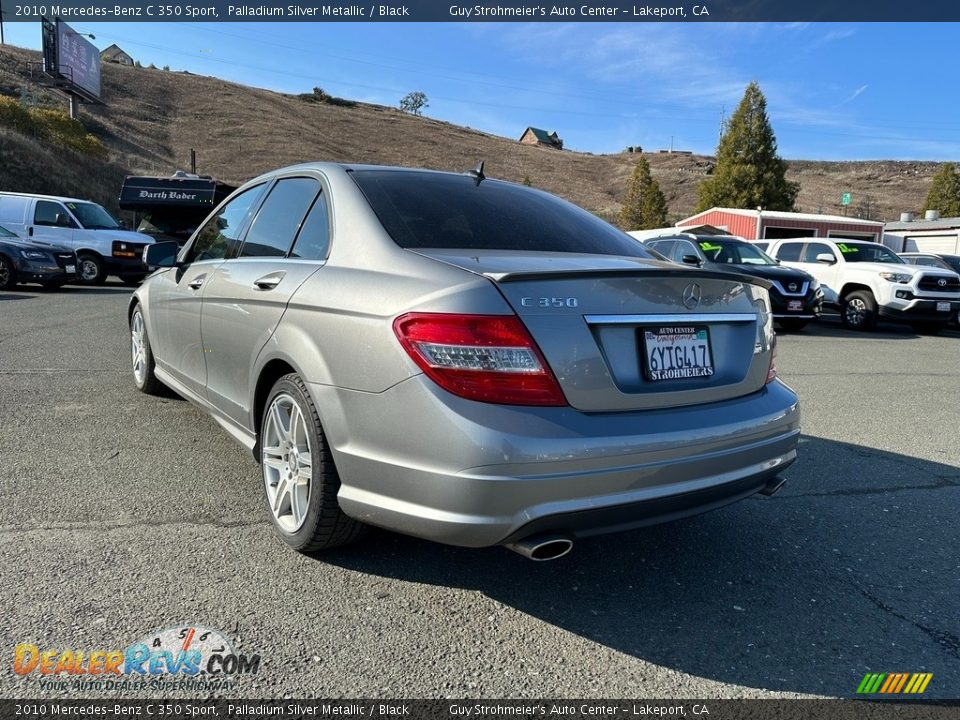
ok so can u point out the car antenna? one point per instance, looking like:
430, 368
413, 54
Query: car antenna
477, 173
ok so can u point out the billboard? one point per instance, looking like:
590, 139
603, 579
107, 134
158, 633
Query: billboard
71, 58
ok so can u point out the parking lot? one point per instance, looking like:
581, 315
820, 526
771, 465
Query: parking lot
124, 513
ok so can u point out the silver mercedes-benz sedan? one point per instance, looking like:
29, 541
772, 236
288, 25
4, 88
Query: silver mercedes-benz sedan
462, 359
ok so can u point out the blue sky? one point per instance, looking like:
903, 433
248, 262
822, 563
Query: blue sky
834, 91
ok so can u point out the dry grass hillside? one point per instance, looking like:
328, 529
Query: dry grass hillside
153, 117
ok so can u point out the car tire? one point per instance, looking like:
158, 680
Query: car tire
300, 480
792, 324
8, 274
132, 280
929, 328
92, 270
858, 310
141, 355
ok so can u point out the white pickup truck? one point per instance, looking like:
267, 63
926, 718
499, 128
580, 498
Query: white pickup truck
871, 281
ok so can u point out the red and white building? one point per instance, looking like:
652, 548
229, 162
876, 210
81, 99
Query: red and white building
775, 225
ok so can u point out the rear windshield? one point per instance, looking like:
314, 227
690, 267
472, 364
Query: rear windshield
434, 210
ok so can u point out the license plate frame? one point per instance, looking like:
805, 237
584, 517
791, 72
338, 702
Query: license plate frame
71, 269
795, 306
676, 352
943, 307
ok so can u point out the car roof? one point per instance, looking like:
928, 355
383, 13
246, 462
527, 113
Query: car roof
322, 166
61, 198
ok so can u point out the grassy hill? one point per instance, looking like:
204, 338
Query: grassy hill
153, 117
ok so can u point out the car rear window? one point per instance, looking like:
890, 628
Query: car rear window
436, 210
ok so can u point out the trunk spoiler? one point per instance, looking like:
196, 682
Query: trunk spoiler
693, 273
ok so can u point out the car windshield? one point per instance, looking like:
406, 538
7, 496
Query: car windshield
4, 233
868, 252
953, 261
730, 250
92, 216
436, 210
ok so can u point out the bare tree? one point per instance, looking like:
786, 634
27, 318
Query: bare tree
414, 102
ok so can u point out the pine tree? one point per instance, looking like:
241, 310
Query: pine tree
749, 173
944, 194
645, 207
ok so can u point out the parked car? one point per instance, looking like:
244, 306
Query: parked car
462, 359
795, 296
872, 281
102, 245
937, 260
27, 262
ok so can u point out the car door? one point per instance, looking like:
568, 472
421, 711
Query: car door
176, 294
52, 223
825, 273
247, 296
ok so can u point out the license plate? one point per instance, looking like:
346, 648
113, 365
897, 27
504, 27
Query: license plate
71, 268
795, 305
943, 307
677, 352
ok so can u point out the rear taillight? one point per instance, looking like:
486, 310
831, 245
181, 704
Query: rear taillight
490, 358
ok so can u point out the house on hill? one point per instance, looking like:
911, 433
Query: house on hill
536, 136
116, 54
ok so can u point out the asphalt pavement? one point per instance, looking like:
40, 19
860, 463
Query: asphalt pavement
123, 513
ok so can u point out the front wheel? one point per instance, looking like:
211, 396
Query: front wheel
859, 310
300, 481
141, 355
8, 274
92, 270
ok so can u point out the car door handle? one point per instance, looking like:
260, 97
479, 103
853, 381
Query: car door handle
197, 282
268, 282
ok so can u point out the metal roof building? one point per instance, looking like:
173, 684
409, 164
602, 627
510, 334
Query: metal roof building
934, 236
774, 224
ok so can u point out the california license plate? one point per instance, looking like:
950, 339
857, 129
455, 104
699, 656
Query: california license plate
943, 307
71, 268
794, 305
677, 352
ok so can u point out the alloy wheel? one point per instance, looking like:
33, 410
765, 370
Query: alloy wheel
88, 270
138, 350
855, 312
287, 463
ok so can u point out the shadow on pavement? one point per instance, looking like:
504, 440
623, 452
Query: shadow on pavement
15, 296
851, 568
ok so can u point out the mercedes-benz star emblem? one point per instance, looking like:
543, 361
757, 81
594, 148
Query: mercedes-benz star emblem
942, 282
691, 296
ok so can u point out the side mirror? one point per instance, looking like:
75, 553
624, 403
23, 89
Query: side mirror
691, 260
161, 254
826, 258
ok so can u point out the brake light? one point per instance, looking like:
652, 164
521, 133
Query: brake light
490, 358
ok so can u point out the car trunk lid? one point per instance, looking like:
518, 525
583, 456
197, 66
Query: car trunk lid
625, 333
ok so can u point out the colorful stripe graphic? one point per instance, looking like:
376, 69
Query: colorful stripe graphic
894, 683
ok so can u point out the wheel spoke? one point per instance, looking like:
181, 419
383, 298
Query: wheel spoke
306, 461
275, 463
282, 491
282, 431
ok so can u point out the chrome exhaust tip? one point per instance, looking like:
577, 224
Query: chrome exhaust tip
773, 486
541, 548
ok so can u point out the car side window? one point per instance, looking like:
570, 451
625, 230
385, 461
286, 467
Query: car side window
789, 251
313, 242
219, 235
47, 211
280, 217
662, 246
811, 251
683, 247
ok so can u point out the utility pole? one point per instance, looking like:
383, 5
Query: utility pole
2, 13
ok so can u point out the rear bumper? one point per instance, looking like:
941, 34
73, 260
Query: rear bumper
466, 473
